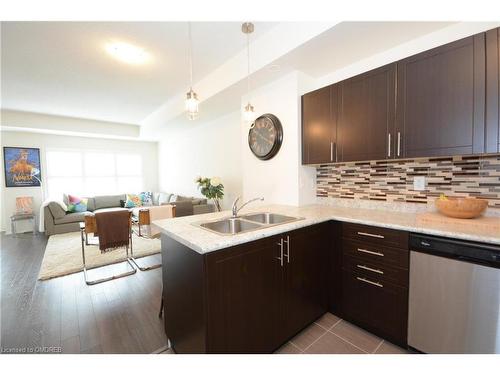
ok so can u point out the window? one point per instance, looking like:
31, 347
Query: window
89, 173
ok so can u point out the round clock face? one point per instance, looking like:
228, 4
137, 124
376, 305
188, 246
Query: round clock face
265, 136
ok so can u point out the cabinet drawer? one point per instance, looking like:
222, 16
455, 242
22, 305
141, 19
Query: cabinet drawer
375, 235
370, 269
382, 255
380, 307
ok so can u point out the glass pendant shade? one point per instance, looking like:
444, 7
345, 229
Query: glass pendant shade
192, 104
248, 113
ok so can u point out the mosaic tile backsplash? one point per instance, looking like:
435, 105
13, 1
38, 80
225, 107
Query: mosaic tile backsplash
392, 180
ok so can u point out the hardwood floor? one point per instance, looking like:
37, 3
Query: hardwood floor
64, 315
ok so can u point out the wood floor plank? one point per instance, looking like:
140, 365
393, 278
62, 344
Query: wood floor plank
52, 314
89, 332
69, 309
120, 316
71, 345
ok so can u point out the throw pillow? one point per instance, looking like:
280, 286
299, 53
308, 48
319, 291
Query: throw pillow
163, 198
147, 198
76, 204
179, 198
133, 200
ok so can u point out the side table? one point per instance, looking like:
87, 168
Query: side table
20, 217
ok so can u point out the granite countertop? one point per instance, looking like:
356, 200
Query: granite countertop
182, 229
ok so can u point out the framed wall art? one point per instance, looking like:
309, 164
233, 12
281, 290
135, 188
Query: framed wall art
22, 166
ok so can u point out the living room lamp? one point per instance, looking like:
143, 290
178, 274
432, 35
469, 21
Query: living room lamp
192, 102
248, 112
33, 173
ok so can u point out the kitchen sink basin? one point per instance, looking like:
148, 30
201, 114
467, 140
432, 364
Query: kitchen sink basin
268, 218
246, 223
230, 226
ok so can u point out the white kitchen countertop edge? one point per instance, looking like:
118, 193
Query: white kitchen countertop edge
203, 241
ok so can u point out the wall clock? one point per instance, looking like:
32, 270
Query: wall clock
265, 136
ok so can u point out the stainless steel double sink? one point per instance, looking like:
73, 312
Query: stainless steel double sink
246, 223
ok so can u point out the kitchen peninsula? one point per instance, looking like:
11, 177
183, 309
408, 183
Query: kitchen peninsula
250, 292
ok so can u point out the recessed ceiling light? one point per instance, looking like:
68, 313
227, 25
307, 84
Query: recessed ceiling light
127, 53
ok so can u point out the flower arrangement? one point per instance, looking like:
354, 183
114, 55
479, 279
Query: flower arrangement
212, 188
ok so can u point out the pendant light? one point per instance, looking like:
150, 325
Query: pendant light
192, 101
248, 112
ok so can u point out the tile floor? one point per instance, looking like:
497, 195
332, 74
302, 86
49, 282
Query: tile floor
332, 335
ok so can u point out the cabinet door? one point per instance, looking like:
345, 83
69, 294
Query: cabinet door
367, 108
441, 100
335, 270
492, 90
305, 287
319, 126
379, 306
243, 289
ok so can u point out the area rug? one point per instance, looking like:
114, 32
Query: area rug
63, 254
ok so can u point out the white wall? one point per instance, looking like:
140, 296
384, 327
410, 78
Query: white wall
282, 179
204, 149
148, 150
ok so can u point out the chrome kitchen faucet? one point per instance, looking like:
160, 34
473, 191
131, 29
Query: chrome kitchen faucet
235, 208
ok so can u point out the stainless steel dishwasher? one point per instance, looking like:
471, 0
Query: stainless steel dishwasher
454, 298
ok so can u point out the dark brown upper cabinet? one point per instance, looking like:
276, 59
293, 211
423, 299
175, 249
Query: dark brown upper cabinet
319, 126
492, 135
441, 100
366, 115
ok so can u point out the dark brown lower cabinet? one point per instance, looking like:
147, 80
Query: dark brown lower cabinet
243, 291
374, 281
305, 288
249, 298
335, 271
379, 306
253, 297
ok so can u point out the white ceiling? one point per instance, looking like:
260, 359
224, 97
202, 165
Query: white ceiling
349, 42
339, 46
61, 68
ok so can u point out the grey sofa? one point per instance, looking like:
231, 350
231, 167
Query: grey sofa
57, 221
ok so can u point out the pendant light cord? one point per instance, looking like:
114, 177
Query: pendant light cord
248, 67
190, 55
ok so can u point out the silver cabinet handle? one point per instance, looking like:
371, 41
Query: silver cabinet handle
425, 243
370, 252
369, 282
389, 145
287, 255
370, 235
370, 269
280, 258
331, 151
399, 143
336, 152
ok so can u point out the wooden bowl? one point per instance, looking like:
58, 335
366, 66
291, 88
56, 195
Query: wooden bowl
461, 208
